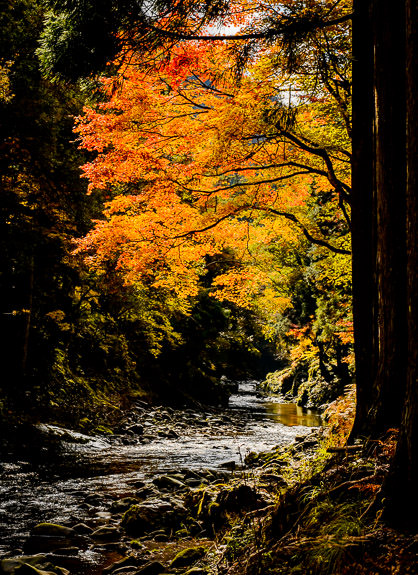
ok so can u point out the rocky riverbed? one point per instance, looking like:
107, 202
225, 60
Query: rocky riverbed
148, 498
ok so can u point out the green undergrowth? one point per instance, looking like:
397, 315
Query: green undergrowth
322, 519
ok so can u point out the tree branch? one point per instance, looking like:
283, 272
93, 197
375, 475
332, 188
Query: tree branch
305, 232
292, 25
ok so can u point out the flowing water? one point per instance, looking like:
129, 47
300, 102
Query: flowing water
58, 480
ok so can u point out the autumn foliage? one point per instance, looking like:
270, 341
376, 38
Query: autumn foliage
195, 158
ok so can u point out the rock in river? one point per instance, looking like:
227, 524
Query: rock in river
152, 515
153, 568
187, 557
105, 534
49, 536
168, 482
30, 565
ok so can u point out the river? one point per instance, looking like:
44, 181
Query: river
59, 477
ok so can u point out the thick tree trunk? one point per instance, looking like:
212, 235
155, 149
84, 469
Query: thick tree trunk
400, 491
379, 214
363, 215
390, 180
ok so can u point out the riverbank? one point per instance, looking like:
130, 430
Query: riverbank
51, 474
296, 509
180, 492
171, 524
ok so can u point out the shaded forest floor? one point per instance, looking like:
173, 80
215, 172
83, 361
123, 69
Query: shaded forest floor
328, 523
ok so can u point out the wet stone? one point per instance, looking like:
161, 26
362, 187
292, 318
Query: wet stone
105, 534
168, 482
31, 565
53, 529
122, 505
152, 568
94, 499
83, 529
129, 561
193, 482
146, 492
138, 483
187, 557
50, 536
136, 428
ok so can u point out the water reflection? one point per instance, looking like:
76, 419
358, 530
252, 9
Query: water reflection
264, 407
292, 414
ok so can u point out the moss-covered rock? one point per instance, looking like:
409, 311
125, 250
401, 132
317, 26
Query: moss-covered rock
153, 515
279, 382
54, 530
122, 505
188, 556
30, 565
49, 536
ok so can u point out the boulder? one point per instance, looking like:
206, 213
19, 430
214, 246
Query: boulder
105, 534
136, 428
94, 499
151, 516
54, 530
26, 569
30, 565
125, 571
122, 505
187, 557
153, 568
83, 529
50, 536
168, 482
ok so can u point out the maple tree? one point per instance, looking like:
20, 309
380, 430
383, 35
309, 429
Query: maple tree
194, 159
186, 155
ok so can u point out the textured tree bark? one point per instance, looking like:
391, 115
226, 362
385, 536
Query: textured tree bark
400, 491
363, 215
390, 168
379, 214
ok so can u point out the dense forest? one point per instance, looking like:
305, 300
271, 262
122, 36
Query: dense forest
216, 236
196, 194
